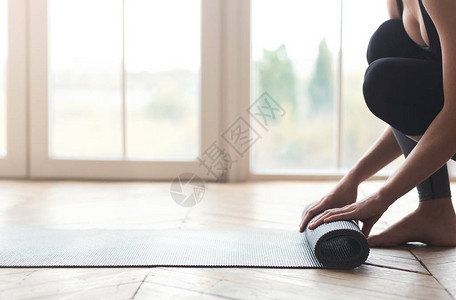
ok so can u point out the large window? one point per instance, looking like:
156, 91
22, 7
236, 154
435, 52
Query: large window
153, 89
118, 89
310, 58
3, 57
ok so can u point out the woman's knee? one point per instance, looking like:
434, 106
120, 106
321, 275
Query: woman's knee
391, 40
405, 93
377, 86
379, 43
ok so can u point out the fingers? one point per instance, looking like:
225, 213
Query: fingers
336, 214
310, 213
331, 218
307, 216
321, 219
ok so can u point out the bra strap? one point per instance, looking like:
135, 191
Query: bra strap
400, 6
433, 36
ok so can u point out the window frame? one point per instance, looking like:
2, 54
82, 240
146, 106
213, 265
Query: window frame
14, 164
42, 166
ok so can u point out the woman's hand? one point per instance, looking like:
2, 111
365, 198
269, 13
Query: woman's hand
367, 211
344, 193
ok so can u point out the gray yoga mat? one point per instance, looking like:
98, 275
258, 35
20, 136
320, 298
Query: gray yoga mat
333, 245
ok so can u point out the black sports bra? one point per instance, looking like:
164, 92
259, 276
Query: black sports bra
400, 6
434, 48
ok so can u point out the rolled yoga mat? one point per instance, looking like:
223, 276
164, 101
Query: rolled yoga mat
337, 244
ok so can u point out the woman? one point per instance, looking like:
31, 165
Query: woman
411, 85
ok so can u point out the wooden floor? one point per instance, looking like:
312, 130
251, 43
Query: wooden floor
402, 273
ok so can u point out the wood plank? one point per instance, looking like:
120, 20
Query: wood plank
441, 262
109, 292
151, 290
367, 281
46, 283
400, 259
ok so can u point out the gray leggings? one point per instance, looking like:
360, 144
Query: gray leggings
434, 187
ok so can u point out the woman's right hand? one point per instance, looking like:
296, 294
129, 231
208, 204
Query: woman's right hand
343, 194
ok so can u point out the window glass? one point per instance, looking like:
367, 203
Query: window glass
85, 78
295, 56
295, 47
160, 48
163, 78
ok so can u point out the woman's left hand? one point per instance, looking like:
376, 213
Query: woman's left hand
367, 211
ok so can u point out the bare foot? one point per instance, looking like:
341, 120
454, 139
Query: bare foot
433, 223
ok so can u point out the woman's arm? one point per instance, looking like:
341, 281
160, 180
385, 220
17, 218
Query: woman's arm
384, 150
393, 10
381, 153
